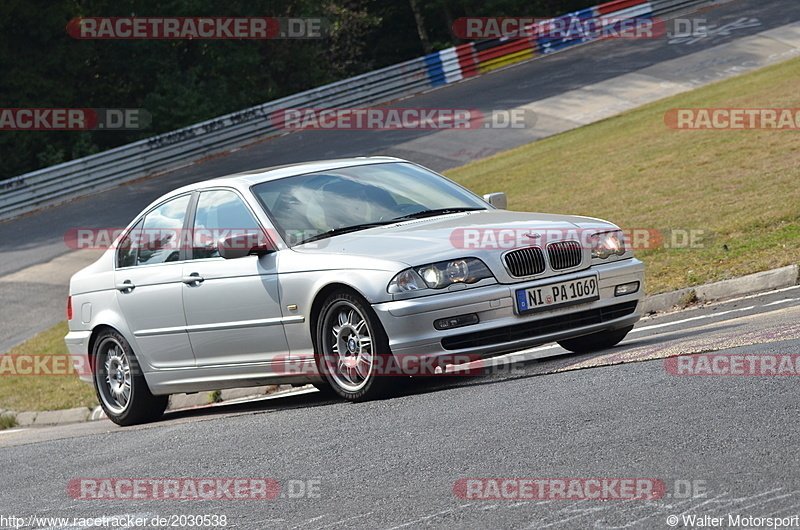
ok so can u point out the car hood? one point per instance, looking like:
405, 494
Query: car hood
469, 234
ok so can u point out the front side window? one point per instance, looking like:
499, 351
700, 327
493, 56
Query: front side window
220, 213
156, 238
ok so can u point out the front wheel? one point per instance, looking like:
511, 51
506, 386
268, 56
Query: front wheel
120, 385
352, 349
595, 341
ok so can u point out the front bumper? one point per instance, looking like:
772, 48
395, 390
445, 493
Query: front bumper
409, 323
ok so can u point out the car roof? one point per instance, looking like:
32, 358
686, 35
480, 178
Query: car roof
256, 176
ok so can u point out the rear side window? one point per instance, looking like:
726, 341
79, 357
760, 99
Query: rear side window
126, 255
156, 238
220, 213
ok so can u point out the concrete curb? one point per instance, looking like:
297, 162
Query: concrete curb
750, 284
49, 417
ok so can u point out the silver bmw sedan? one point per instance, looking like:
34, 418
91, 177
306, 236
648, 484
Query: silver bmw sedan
348, 274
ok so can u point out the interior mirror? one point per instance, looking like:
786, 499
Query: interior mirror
498, 200
239, 246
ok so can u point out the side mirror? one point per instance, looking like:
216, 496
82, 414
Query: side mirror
498, 200
239, 246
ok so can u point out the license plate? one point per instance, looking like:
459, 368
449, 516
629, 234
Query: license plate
559, 294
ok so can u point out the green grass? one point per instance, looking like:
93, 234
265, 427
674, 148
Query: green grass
741, 186
7, 421
45, 392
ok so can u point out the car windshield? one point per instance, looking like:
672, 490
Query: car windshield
342, 200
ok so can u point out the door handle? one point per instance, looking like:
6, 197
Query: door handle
125, 286
193, 278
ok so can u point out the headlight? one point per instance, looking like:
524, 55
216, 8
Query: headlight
440, 275
605, 244
408, 280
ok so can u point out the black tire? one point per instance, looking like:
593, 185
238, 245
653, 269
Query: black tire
366, 368
326, 390
595, 341
124, 394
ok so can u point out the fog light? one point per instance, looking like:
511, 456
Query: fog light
626, 288
456, 322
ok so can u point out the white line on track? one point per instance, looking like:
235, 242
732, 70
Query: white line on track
713, 315
11, 431
701, 317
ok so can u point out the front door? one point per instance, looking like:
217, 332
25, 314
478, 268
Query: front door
233, 311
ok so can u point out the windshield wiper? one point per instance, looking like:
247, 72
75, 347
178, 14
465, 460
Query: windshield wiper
437, 211
345, 230
364, 226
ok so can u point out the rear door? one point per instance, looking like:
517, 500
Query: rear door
149, 287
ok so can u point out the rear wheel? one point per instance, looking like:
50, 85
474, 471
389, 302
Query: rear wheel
352, 349
595, 341
120, 385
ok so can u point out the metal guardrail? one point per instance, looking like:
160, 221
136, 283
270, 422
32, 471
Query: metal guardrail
31, 191
161, 153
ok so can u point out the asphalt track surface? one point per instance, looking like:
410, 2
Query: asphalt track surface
36, 300
393, 463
